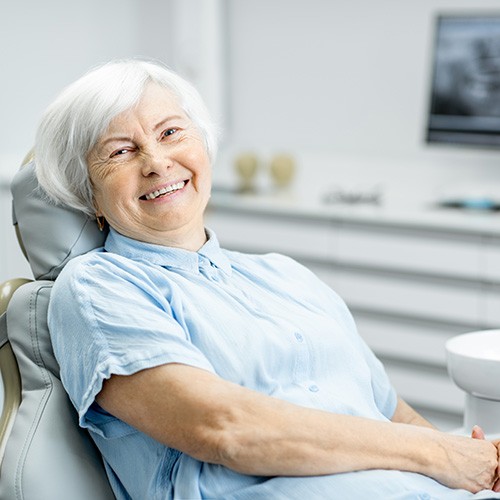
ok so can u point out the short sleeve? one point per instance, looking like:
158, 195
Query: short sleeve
106, 318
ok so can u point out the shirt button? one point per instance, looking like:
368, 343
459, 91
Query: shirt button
299, 337
314, 388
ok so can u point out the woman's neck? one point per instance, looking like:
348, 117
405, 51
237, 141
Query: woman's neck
188, 238
191, 239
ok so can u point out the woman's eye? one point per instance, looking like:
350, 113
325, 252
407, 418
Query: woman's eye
118, 152
170, 131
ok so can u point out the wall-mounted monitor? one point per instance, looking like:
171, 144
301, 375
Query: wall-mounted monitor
465, 87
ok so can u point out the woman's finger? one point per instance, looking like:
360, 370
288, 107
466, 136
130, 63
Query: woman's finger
477, 432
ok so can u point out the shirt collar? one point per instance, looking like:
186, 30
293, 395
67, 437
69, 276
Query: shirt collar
169, 257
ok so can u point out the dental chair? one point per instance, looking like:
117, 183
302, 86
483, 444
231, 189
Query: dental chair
44, 455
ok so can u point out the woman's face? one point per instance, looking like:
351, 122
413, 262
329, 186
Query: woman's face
150, 172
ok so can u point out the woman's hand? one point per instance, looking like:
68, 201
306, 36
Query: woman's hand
471, 464
478, 433
496, 486
405, 414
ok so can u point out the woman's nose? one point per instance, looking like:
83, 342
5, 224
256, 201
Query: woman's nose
156, 161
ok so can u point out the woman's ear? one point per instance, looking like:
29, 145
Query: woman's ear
101, 222
97, 210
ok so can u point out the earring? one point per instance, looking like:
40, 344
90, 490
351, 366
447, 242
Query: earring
100, 222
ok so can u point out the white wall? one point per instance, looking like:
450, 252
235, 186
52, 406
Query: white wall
344, 84
46, 44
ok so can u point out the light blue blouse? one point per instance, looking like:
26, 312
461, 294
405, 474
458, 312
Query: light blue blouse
262, 321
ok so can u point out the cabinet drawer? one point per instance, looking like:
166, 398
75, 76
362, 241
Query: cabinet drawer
492, 259
421, 298
410, 250
263, 233
491, 316
417, 342
428, 389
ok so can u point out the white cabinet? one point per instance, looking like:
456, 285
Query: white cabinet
239, 230
406, 295
409, 287
491, 264
410, 250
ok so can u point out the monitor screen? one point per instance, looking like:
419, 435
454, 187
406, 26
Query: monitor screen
465, 88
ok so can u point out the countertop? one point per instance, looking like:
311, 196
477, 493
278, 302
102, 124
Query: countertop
426, 217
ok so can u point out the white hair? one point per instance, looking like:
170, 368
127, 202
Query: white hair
72, 125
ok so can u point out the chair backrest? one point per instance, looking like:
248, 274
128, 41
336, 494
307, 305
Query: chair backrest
50, 235
44, 454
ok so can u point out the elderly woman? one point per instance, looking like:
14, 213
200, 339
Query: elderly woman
207, 373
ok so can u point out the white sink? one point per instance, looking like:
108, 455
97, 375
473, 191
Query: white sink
474, 362
474, 365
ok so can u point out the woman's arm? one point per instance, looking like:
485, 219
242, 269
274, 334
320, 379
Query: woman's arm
405, 414
220, 422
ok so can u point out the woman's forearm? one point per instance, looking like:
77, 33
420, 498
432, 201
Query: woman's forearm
405, 414
286, 440
300, 441
219, 422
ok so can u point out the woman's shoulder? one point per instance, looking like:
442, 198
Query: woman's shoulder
94, 261
99, 268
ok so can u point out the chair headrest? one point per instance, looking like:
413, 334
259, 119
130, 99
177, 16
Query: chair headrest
51, 235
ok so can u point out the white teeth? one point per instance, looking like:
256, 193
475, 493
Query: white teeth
165, 190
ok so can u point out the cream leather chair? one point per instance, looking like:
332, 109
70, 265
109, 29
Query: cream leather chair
44, 454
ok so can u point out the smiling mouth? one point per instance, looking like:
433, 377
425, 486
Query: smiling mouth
164, 191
